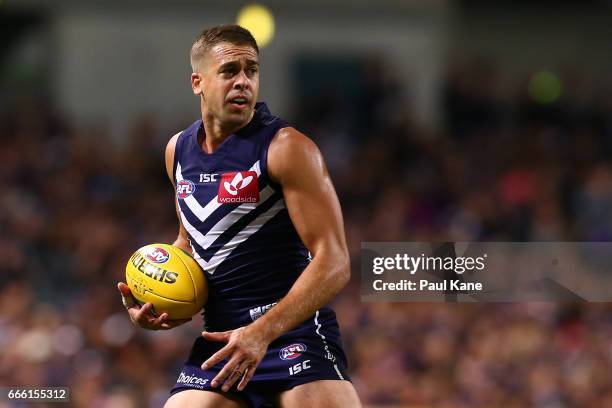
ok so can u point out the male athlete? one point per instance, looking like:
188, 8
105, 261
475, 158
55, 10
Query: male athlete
258, 211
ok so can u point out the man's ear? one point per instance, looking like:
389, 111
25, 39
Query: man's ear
196, 83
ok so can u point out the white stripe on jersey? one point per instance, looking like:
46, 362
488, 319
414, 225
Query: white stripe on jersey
232, 217
196, 208
197, 235
205, 241
242, 236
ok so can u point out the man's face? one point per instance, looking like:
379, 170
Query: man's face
228, 80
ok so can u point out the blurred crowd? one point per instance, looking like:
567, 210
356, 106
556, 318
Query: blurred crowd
501, 167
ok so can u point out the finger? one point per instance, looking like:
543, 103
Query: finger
170, 324
126, 295
134, 312
217, 357
156, 322
143, 315
222, 337
124, 289
128, 302
225, 372
246, 377
234, 376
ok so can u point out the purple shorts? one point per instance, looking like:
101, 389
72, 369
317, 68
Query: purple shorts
311, 352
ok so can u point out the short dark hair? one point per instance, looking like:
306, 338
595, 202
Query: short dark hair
231, 33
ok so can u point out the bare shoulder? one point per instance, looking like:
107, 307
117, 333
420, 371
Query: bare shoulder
291, 138
169, 155
291, 152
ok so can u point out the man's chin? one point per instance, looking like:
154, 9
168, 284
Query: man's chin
237, 118
239, 115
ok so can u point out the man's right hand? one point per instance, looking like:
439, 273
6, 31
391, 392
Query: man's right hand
142, 316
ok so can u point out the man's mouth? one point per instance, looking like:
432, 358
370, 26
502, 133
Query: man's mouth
239, 102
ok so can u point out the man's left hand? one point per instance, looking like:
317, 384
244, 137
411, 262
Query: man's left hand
245, 349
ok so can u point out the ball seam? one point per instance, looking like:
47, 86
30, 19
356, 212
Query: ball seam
193, 284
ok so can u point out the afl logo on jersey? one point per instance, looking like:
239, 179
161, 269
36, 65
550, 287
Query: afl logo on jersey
158, 255
293, 351
240, 187
184, 189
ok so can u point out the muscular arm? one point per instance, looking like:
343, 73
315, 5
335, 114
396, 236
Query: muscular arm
181, 240
295, 162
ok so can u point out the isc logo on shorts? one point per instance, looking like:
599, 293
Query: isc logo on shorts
293, 351
239, 187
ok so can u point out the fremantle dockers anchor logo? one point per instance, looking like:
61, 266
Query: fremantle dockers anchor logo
239, 187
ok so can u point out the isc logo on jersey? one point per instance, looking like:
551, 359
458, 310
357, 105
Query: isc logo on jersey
184, 188
239, 187
209, 177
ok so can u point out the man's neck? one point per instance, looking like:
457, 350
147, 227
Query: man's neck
215, 132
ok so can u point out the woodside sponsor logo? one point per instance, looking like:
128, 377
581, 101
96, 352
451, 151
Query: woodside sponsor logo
239, 187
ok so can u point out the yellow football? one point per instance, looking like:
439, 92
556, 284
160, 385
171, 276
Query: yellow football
169, 278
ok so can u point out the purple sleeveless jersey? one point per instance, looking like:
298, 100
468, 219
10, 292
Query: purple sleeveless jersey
242, 237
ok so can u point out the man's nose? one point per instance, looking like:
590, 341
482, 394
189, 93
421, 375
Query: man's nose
242, 81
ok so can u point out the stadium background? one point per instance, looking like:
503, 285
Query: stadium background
440, 120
